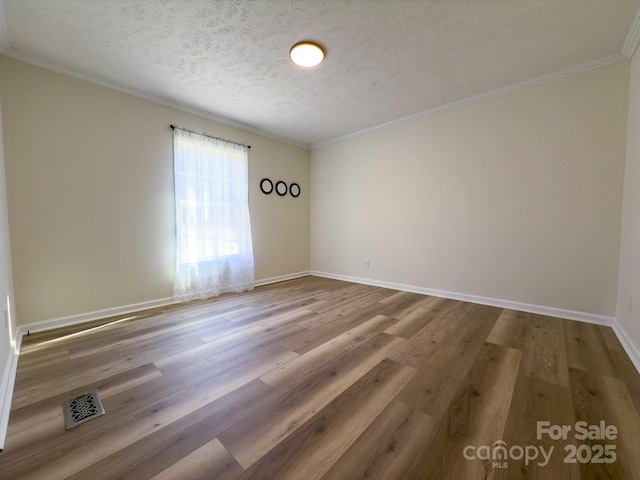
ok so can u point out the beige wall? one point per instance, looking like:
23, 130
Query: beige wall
628, 311
515, 198
90, 195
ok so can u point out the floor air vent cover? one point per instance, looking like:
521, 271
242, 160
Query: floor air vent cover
82, 409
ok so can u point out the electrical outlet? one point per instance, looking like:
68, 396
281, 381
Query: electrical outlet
366, 263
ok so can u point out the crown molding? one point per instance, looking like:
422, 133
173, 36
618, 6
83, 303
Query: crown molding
144, 95
633, 37
630, 45
550, 77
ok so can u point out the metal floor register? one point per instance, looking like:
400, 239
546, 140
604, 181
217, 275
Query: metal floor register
82, 409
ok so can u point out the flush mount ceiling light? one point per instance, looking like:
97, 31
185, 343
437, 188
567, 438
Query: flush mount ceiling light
306, 54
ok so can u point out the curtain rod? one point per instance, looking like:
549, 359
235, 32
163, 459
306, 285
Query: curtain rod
173, 127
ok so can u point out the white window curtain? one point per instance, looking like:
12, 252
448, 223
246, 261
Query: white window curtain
214, 250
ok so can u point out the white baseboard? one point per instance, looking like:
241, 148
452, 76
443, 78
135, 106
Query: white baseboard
494, 302
282, 278
123, 310
91, 316
633, 352
6, 388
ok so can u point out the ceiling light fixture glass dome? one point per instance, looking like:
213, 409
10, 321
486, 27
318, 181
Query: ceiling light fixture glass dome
307, 54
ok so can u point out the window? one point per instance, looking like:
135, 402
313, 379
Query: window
214, 251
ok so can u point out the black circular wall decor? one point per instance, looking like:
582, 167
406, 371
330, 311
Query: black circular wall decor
294, 189
266, 186
281, 188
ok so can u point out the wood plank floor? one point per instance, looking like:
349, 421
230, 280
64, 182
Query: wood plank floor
322, 379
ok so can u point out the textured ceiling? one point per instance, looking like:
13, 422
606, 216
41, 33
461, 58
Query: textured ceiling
387, 59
